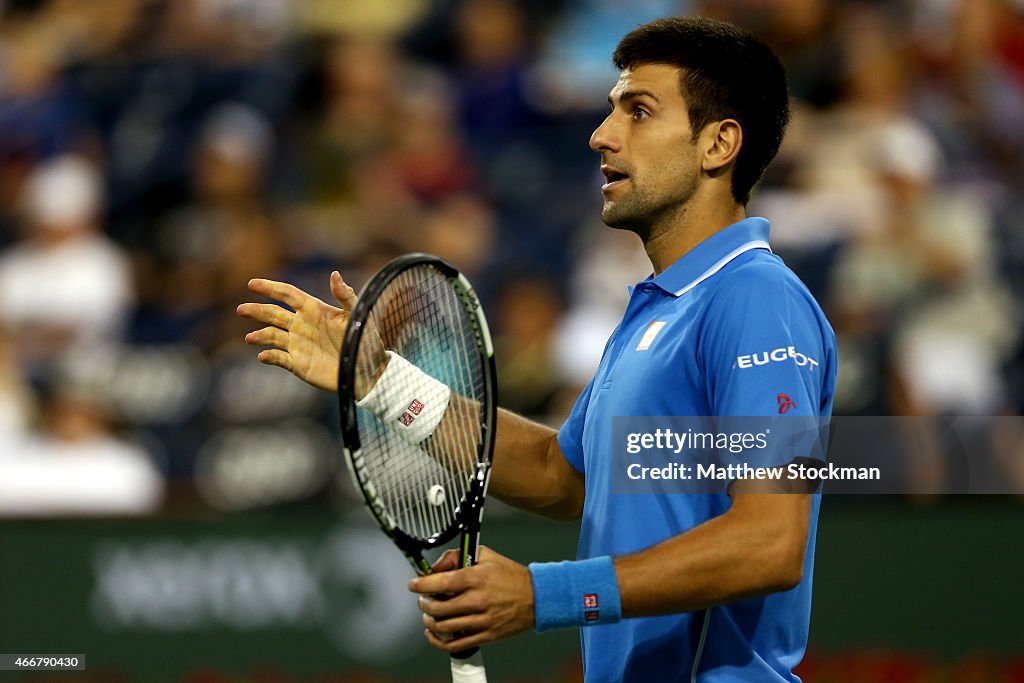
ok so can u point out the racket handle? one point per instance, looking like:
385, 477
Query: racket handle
468, 669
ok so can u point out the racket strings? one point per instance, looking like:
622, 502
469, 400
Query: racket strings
419, 316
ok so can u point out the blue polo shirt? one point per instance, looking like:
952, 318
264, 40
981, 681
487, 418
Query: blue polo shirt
702, 338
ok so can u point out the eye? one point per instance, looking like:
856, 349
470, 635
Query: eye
639, 114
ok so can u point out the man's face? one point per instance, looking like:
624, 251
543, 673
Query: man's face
646, 151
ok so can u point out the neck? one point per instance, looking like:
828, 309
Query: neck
692, 224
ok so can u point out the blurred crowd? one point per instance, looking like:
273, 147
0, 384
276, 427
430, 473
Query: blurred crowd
157, 154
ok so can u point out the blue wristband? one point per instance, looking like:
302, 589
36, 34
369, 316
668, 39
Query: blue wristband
570, 594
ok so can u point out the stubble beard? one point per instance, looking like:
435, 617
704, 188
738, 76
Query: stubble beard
643, 214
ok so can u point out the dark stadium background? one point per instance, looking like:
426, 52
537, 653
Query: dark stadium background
170, 508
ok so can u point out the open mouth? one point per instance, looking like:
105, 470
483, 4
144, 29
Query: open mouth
614, 177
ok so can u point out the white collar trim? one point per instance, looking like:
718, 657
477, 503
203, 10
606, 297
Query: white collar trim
757, 244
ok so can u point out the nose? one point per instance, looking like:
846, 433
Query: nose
605, 137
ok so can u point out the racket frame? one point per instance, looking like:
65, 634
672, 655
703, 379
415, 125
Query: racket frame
469, 513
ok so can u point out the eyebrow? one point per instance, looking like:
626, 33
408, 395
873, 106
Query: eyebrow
627, 95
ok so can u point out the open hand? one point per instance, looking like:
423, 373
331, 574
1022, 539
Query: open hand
306, 343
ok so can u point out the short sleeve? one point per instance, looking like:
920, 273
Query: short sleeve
570, 436
768, 351
766, 348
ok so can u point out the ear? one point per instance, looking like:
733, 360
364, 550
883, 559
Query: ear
721, 142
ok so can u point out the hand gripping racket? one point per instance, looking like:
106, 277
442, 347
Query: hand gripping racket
417, 390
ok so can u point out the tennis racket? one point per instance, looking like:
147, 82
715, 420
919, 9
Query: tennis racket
416, 347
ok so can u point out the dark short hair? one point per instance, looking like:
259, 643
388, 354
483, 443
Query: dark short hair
726, 73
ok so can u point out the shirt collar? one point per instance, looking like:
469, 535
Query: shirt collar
711, 255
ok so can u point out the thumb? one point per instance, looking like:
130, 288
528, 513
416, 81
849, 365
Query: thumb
345, 295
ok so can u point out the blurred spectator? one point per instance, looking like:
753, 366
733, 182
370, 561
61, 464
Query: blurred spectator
233, 31
823, 189
41, 115
490, 75
973, 90
802, 33
353, 123
429, 159
864, 212
929, 276
461, 229
367, 17
196, 265
65, 285
16, 400
526, 317
238, 138
360, 80
608, 263
575, 67
416, 188
76, 465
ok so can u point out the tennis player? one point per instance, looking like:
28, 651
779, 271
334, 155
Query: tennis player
666, 588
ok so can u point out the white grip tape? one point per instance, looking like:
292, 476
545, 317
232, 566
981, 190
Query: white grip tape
407, 400
469, 670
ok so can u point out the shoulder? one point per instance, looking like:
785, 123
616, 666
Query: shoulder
759, 274
758, 293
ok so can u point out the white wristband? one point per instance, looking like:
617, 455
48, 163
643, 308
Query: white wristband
407, 400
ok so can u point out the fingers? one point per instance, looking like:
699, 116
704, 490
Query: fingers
449, 629
443, 608
448, 561
269, 314
461, 624
444, 582
345, 295
275, 357
282, 291
463, 643
268, 336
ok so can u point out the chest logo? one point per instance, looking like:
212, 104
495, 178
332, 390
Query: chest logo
652, 331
